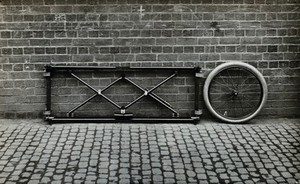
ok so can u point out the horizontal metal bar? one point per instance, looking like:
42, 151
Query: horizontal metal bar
163, 68
81, 120
118, 68
81, 67
163, 120
113, 120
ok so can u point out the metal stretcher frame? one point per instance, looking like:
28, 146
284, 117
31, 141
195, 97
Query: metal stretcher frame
123, 116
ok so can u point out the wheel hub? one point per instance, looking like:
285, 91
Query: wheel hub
235, 92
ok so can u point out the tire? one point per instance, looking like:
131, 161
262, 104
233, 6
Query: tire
235, 92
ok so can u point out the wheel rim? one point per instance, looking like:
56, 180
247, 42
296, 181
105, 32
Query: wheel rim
235, 93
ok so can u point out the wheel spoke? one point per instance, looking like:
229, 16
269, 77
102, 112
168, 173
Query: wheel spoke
249, 99
219, 97
223, 85
216, 90
244, 81
221, 105
246, 101
241, 104
249, 88
232, 83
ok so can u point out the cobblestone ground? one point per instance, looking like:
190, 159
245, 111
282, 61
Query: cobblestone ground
260, 152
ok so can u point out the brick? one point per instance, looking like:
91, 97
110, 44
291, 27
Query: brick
146, 57
7, 51
251, 24
272, 48
186, 41
61, 42
39, 50
6, 34
61, 50
38, 59
39, 42
103, 42
291, 40
39, 9
209, 57
272, 40
271, 24
18, 75
270, 8
82, 58
104, 58
251, 40
229, 40
61, 58
61, 9
255, 57
165, 41
20, 42
207, 41
188, 57
273, 56
145, 41
18, 59
167, 57
232, 57
206, 8
83, 42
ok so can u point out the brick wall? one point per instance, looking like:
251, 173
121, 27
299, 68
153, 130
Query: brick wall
205, 33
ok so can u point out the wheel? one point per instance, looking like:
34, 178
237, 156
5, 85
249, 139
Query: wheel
235, 92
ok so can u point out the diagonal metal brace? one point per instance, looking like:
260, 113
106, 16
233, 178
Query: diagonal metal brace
97, 93
152, 95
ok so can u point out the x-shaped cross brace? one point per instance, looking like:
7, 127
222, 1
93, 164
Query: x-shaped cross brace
145, 93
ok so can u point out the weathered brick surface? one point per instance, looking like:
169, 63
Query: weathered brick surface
205, 33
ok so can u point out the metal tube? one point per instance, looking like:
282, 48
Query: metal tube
47, 75
83, 82
197, 92
110, 101
161, 99
146, 91
117, 80
80, 105
135, 101
162, 103
119, 68
161, 83
82, 67
113, 120
163, 68
162, 120
133, 83
48, 93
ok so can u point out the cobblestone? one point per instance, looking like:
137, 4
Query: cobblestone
259, 152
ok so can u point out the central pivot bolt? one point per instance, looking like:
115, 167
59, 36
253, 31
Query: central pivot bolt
235, 93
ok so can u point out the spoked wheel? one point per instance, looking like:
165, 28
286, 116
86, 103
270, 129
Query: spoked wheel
235, 92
